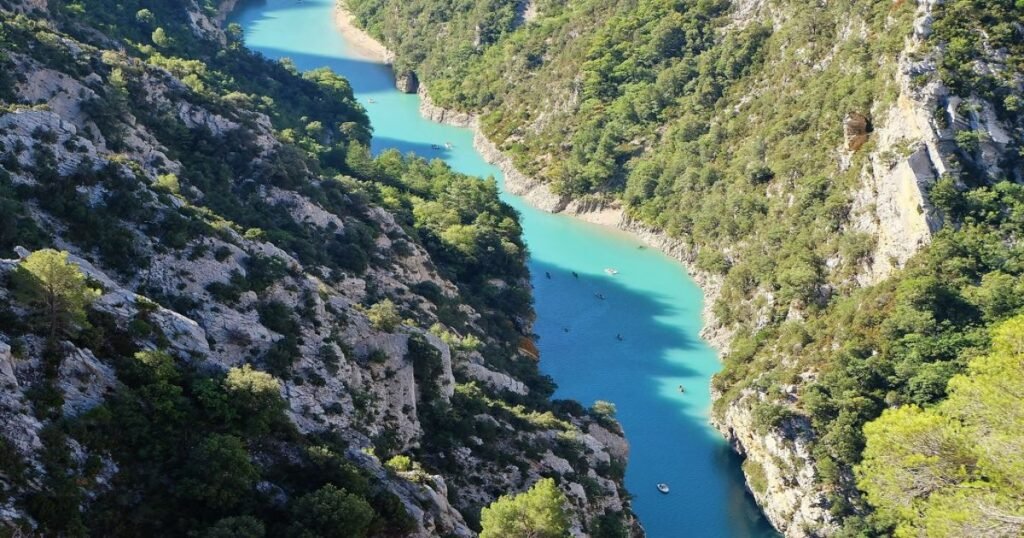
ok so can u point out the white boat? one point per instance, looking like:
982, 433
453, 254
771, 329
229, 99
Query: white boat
663, 487
611, 271
448, 145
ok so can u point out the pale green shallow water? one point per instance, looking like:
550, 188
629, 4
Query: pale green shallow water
651, 302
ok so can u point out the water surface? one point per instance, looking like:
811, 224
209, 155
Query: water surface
651, 302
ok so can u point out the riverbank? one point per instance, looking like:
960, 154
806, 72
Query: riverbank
362, 43
539, 194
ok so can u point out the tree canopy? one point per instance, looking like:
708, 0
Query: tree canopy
956, 469
56, 288
536, 513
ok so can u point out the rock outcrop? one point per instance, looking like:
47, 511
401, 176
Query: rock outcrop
406, 82
855, 130
779, 470
347, 375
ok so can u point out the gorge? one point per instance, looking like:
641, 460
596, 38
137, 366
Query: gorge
511, 268
651, 302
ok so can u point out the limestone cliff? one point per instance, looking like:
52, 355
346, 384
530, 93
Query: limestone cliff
176, 276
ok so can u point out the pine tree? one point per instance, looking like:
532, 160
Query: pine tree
56, 288
537, 513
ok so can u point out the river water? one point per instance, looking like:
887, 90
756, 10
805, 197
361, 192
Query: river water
651, 302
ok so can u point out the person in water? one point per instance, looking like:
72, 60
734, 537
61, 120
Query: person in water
574, 274
548, 273
619, 337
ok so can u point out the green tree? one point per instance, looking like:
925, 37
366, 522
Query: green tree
330, 512
56, 288
236, 527
537, 513
235, 33
145, 17
160, 38
604, 409
384, 316
256, 398
220, 474
956, 469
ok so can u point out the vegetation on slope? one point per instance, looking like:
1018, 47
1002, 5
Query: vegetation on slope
725, 133
177, 447
956, 469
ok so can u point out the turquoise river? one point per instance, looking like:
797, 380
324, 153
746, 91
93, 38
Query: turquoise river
651, 302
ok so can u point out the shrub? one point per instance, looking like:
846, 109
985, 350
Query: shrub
384, 316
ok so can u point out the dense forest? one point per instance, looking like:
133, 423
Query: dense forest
721, 124
185, 146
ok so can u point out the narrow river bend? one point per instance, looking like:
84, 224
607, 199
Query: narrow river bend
651, 302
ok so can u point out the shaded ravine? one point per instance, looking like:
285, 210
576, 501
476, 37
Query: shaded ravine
651, 302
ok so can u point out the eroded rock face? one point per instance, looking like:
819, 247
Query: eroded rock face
855, 130
780, 471
407, 82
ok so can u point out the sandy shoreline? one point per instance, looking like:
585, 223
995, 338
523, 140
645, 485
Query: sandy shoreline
362, 43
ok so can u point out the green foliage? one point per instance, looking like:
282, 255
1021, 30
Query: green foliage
16, 227
160, 38
330, 512
55, 288
236, 527
169, 183
755, 476
190, 449
384, 316
536, 513
955, 469
400, 463
968, 29
219, 474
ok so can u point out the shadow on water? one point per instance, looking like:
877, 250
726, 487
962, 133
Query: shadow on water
423, 149
667, 429
372, 76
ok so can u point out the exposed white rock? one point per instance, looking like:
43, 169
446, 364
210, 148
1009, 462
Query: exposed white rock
556, 464
27, 127
497, 380
789, 495
84, 380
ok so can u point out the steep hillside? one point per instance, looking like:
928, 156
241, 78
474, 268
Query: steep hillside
842, 177
219, 316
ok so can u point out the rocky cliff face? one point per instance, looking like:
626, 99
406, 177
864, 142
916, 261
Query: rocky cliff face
347, 374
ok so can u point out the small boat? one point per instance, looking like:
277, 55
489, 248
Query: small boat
448, 145
611, 271
663, 487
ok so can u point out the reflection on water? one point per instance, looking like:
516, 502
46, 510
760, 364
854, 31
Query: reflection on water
630, 338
